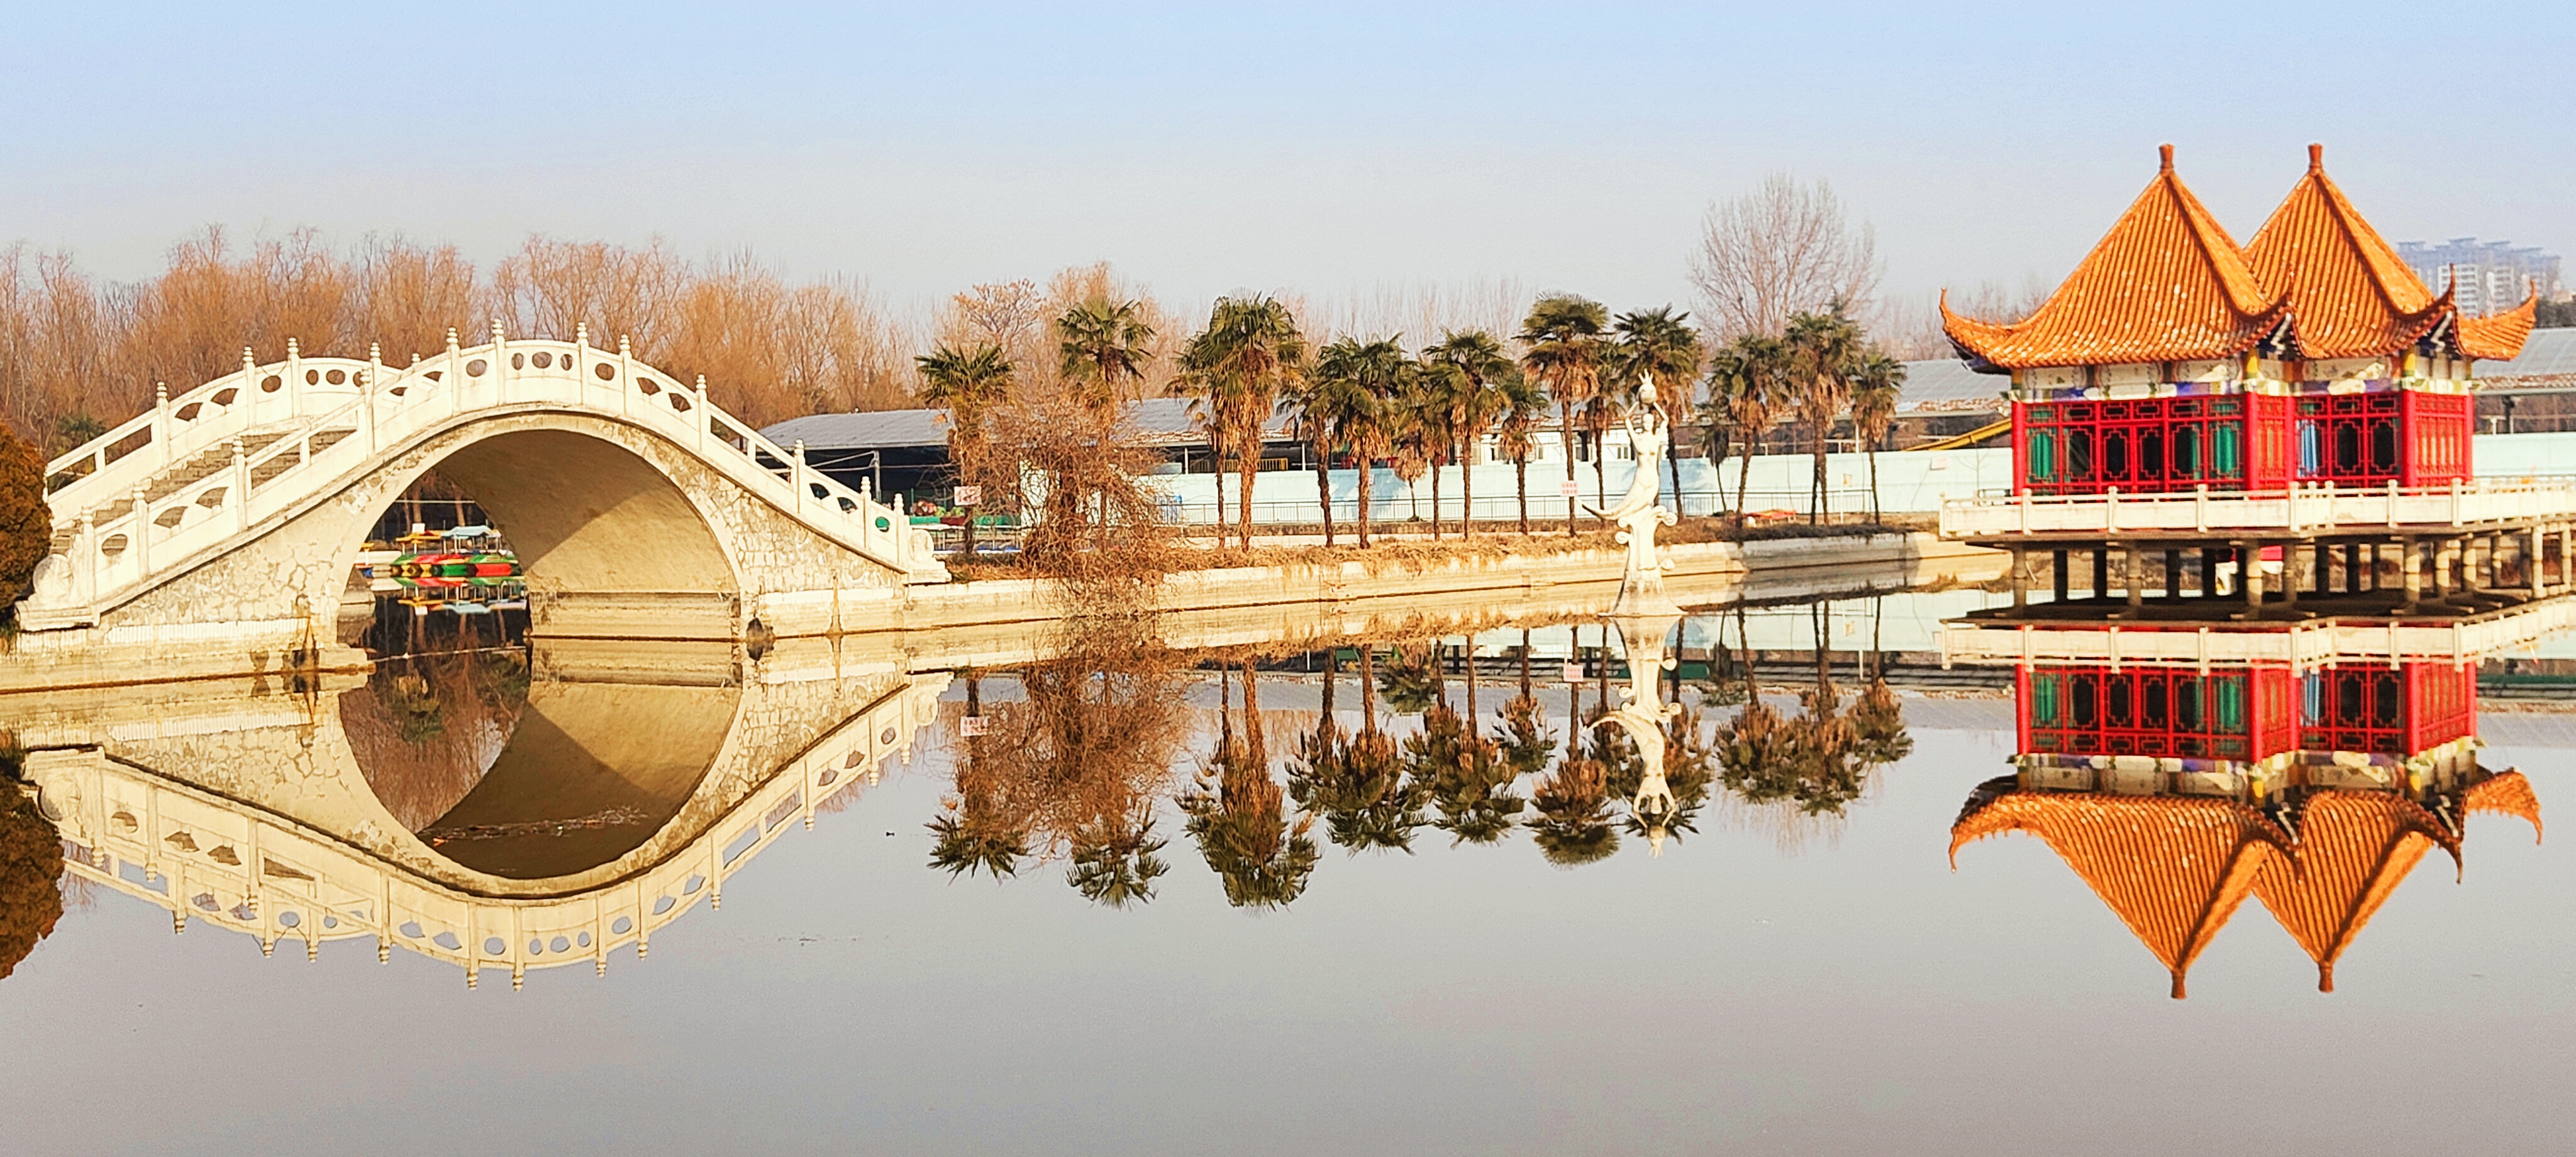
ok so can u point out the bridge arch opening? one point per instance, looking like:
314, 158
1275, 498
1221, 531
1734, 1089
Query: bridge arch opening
511, 764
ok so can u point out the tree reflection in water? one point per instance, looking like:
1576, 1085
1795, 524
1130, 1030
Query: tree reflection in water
1813, 766
1237, 813
446, 694
1072, 770
31, 869
1078, 766
1355, 782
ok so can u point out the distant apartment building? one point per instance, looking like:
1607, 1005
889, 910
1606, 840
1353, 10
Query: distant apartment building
2493, 276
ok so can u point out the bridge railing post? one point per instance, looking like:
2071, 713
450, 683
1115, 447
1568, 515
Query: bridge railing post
141, 517
161, 420
375, 385
85, 559
241, 486
625, 377
294, 379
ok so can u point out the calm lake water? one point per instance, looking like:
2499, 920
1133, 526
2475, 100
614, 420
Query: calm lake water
1106, 905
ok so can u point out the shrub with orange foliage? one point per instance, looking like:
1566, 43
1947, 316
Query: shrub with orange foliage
26, 525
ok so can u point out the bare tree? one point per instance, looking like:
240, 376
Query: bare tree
1780, 250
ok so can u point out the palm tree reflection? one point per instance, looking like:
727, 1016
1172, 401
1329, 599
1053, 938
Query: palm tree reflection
1238, 815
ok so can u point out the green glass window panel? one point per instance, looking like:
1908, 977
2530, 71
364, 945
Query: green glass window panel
2043, 700
2227, 452
2231, 704
2043, 456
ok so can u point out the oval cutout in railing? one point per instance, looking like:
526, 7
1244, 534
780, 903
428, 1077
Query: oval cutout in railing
621, 925
336, 377
544, 360
518, 361
559, 944
269, 384
883, 524
494, 946
113, 545
476, 368
606, 372
312, 377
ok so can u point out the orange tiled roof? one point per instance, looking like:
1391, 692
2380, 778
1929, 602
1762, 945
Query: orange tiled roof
2355, 847
2350, 295
2173, 868
2509, 794
2167, 283
2499, 337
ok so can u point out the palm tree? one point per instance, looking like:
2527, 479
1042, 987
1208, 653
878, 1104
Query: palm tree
1748, 386
1659, 345
1250, 353
1563, 348
1105, 345
1350, 391
1822, 349
1524, 403
1876, 381
1476, 370
969, 386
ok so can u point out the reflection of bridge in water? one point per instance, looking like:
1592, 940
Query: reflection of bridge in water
241, 805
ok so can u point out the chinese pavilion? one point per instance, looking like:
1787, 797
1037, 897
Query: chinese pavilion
2303, 397
2174, 358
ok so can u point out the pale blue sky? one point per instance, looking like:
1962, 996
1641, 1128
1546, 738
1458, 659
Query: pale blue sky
1325, 149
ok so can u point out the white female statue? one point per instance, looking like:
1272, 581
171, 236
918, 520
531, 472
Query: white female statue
1639, 512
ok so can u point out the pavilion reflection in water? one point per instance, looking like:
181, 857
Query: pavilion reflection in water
2311, 769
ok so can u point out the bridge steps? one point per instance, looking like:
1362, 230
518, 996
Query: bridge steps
180, 475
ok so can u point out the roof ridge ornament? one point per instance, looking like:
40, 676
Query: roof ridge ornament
2316, 157
2164, 157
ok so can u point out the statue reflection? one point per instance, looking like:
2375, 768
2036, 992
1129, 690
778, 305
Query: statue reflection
2176, 794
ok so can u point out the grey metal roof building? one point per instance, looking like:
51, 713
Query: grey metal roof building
1162, 421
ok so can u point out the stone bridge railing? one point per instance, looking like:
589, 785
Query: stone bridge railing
323, 422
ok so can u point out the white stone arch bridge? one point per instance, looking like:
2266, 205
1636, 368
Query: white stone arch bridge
232, 514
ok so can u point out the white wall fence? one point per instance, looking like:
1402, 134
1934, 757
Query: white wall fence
1909, 482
